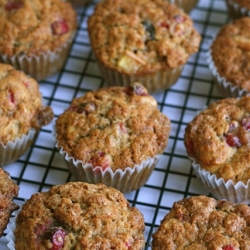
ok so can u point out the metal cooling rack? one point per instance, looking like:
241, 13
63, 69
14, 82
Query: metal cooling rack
173, 179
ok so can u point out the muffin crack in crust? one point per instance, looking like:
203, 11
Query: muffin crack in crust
141, 36
218, 139
82, 216
116, 127
204, 223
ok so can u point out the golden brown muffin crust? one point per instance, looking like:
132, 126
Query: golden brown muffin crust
230, 52
218, 139
141, 36
116, 127
8, 191
33, 27
20, 104
87, 216
204, 223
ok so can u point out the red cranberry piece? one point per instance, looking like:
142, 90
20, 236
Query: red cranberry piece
164, 25
13, 5
40, 229
233, 140
128, 245
11, 96
122, 128
100, 160
246, 123
189, 147
228, 247
59, 27
137, 89
56, 236
179, 18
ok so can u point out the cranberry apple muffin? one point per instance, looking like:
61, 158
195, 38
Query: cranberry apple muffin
238, 8
229, 58
77, 215
35, 36
202, 222
8, 191
148, 41
113, 135
22, 113
217, 141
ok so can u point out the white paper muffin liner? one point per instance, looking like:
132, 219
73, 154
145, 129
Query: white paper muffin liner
15, 149
160, 80
132, 178
186, 5
227, 89
40, 66
236, 193
11, 228
235, 10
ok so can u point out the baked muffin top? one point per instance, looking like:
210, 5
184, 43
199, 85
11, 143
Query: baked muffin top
20, 104
77, 215
32, 26
8, 191
230, 54
113, 127
141, 36
202, 222
218, 139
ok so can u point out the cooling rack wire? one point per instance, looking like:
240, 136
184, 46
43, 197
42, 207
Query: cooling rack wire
173, 179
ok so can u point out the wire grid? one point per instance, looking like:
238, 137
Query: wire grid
173, 179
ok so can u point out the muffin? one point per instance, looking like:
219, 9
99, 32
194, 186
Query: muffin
113, 135
22, 113
35, 36
202, 222
77, 215
186, 5
8, 191
148, 41
238, 8
229, 59
217, 142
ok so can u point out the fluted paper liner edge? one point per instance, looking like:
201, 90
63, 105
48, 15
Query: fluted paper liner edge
236, 193
132, 178
15, 149
226, 88
40, 66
